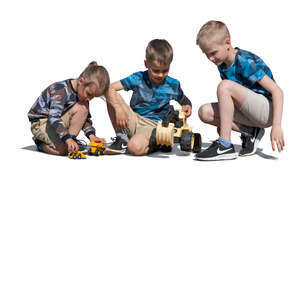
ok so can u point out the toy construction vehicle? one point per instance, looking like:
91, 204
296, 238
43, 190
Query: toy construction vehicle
174, 129
77, 155
96, 148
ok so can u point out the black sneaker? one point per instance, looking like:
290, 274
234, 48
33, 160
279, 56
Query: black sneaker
250, 142
117, 146
217, 152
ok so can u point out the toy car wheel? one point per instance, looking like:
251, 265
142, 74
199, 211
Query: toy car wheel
90, 151
186, 142
102, 151
97, 152
197, 143
79, 156
166, 148
74, 156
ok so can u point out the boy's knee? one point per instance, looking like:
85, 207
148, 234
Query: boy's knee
224, 86
80, 108
204, 113
137, 145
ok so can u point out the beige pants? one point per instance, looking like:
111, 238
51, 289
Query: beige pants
257, 111
139, 124
43, 131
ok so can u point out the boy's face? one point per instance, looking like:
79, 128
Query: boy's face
157, 72
86, 93
216, 52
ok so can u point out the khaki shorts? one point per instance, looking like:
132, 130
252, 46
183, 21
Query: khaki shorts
139, 124
257, 111
43, 131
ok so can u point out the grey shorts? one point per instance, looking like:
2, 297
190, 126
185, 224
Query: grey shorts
257, 111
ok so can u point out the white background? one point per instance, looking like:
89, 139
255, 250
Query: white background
158, 227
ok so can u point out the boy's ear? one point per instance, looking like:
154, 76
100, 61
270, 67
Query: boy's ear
228, 41
146, 64
80, 79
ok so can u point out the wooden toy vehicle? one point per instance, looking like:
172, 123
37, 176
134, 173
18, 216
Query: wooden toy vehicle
174, 129
96, 148
77, 155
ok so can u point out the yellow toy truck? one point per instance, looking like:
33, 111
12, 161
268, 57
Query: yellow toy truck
96, 148
174, 129
77, 155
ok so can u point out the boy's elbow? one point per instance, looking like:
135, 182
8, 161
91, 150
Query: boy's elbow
278, 93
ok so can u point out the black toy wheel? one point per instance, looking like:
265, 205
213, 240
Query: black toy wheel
197, 143
166, 149
186, 142
97, 152
79, 156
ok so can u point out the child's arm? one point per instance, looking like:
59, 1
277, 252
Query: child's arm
115, 100
90, 131
277, 98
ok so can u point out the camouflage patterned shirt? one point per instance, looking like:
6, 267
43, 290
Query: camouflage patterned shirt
53, 102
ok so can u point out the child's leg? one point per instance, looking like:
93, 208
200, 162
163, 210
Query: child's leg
229, 94
209, 113
79, 113
73, 119
139, 143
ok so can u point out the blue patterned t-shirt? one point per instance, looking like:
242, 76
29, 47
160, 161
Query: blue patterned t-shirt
247, 69
149, 100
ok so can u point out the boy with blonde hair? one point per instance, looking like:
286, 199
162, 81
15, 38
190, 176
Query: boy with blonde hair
249, 99
152, 90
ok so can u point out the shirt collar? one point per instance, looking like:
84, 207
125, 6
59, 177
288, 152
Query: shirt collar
147, 79
223, 66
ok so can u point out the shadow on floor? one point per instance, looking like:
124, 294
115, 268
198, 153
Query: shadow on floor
30, 148
176, 151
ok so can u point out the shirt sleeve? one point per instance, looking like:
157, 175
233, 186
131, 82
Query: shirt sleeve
58, 97
130, 82
253, 71
181, 98
88, 128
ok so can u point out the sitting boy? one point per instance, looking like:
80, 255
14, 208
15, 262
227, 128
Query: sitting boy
62, 110
249, 99
152, 90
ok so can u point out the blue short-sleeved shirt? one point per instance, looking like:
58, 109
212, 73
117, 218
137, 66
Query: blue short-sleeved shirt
149, 100
246, 70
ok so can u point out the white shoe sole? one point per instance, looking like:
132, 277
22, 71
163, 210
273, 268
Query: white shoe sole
229, 156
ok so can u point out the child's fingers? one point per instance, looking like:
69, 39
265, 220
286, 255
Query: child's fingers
273, 144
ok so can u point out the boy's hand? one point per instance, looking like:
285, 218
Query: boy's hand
72, 145
187, 109
96, 139
121, 119
277, 138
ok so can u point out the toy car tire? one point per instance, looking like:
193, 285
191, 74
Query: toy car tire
186, 141
197, 143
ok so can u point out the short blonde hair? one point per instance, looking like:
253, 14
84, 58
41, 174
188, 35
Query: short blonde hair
212, 31
160, 51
